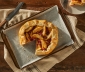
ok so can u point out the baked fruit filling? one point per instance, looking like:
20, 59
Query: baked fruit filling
43, 32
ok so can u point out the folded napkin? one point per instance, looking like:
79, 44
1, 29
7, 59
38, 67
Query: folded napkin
48, 62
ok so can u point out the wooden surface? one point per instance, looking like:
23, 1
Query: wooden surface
74, 63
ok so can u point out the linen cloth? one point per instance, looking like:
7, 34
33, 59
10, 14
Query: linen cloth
48, 62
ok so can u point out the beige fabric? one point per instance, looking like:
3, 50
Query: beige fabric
45, 64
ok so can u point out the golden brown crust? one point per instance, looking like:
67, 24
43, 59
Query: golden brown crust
49, 31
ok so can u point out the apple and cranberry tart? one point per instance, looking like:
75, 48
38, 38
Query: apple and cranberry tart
43, 32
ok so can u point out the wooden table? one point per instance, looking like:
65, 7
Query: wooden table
74, 63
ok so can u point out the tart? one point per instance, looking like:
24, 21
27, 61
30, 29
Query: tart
77, 2
43, 32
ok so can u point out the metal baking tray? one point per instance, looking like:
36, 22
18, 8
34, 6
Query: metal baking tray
25, 55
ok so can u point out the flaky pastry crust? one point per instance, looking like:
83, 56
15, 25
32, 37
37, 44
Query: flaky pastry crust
44, 32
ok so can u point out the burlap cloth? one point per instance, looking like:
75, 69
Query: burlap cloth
45, 64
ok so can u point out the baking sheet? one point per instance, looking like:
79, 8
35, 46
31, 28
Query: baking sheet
25, 55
